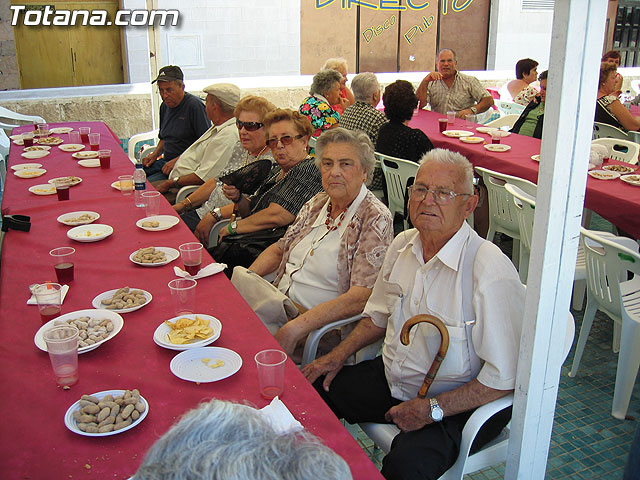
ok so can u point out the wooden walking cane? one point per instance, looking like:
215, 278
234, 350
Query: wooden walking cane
444, 346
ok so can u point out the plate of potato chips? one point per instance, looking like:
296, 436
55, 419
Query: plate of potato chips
188, 331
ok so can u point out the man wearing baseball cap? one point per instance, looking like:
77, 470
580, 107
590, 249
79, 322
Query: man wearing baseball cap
211, 153
183, 119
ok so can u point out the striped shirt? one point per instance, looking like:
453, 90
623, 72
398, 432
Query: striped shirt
465, 92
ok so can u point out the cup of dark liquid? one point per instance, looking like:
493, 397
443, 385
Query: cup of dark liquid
442, 124
62, 188
84, 134
105, 158
63, 263
49, 298
496, 136
94, 141
27, 139
191, 254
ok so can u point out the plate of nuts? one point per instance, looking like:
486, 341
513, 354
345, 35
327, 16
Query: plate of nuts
154, 256
106, 413
122, 300
95, 327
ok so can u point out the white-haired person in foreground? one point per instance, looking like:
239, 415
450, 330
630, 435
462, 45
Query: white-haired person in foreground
226, 441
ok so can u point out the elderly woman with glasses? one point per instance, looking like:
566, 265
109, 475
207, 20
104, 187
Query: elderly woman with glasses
291, 182
324, 92
201, 210
330, 256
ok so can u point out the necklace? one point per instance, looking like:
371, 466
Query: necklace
330, 222
246, 158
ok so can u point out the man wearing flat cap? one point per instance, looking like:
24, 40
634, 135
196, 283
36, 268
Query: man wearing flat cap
183, 120
211, 153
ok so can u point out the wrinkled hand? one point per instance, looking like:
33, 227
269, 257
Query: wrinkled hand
179, 207
345, 103
204, 228
410, 415
288, 337
149, 159
167, 167
164, 186
231, 192
463, 113
328, 365
223, 233
434, 76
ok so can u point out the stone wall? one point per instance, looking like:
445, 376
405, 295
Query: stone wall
8, 63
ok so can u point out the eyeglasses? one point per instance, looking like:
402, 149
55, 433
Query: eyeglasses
441, 197
285, 140
249, 126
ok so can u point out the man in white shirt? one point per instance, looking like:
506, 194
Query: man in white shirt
449, 90
444, 269
210, 154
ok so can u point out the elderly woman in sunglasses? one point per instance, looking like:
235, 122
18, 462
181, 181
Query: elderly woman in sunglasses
329, 259
293, 181
201, 209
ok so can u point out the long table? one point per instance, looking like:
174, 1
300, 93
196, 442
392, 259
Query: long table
614, 200
35, 441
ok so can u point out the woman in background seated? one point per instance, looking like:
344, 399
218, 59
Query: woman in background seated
330, 256
227, 441
249, 113
395, 137
520, 89
293, 181
530, 121
609, 110
346, 95
324, 92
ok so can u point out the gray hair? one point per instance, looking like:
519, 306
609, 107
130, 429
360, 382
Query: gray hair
364, 85
359, 140
452, 159
323, 81
226, 441
455, 57
335, 63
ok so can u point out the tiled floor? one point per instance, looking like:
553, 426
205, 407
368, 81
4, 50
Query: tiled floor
587, 442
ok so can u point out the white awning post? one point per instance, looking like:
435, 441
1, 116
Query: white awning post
578, 30
154, 64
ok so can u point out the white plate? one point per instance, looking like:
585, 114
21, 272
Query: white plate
98, 232
115, 318
116, 185
166, 222
70, 423
22, 166
91, 163
35, 154
170, 253
85, 155
485, 129
621, 169
50, 141
66, 218
96, 301
60, 130
44, 189
603, 174
29, 172
535, 157
457, 133
16, 137
497, 147
189, 366
161, 335
74, 180
472, 139
20, 141
71, 147
631, 179
37, 148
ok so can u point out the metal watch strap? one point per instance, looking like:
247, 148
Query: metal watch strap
436, 411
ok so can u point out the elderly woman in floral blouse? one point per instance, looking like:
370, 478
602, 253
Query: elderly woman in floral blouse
329, 259
324, 92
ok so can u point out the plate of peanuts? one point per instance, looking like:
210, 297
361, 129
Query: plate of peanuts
106, 413
122, 300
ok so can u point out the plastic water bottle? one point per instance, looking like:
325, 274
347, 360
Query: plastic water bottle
140, 183
627, 99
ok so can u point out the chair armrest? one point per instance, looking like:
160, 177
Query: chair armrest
140, 137
185, 191
215, 231
311, 345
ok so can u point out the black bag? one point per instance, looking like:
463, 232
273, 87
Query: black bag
244, 248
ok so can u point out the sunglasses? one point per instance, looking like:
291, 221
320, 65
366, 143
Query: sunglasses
286, 140
249, 126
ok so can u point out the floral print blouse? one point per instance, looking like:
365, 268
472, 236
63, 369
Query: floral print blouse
317, 109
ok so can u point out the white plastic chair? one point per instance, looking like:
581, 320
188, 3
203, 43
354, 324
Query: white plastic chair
185, 191
141, 137
3, 172
398, 175
604, 130
621, 150
608, 261
509, 108
11, 115
635, 86
505, 121
5, 144
215, 231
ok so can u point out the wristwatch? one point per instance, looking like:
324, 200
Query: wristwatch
175, 181
217, 214
233, 227
436, 412
474, 110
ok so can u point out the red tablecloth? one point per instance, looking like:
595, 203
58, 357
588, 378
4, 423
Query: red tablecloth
614, 200
35, 442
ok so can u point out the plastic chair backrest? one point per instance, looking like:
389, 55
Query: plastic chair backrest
525, 208
621, 150
505, 121
607, 261
6, 113
509, 108
5, 143
398, 174
137, 138
604, 130
502, 214
3, 172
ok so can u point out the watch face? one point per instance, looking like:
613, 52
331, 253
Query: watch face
436, 414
